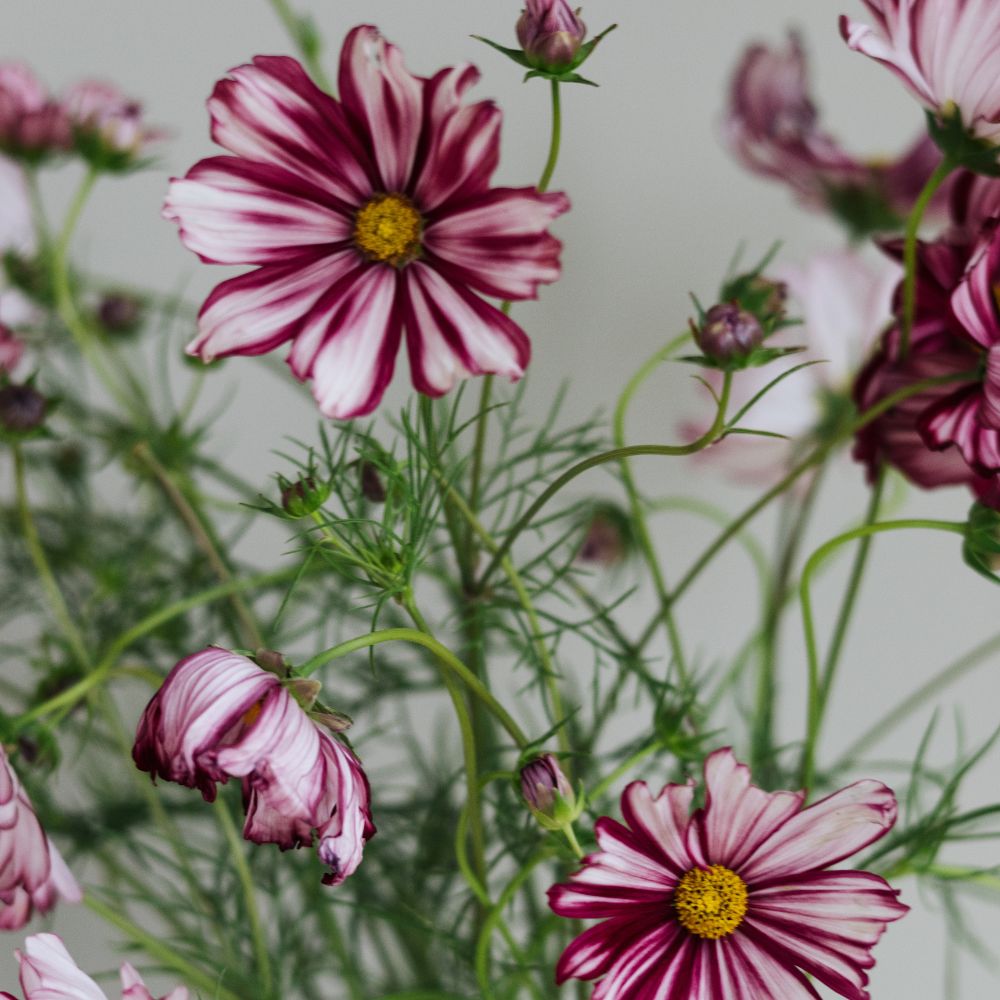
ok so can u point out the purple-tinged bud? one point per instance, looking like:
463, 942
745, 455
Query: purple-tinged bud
120, 313
728, 333
303, 497
372, 487
22, 409
608, 538
548, 793
550, 33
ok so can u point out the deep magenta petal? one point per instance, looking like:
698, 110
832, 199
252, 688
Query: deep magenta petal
959, 419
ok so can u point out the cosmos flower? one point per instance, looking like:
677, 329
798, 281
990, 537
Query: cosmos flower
773, 128
33, 874
365, 216
734, 901
48, 972
219, 715
946, 52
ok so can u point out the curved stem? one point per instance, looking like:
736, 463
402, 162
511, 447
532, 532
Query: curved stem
259, 940
934, 182
57, 602
445, 655
821, 684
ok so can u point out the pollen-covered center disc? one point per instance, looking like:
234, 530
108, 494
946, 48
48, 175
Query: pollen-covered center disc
711, 903
387, 228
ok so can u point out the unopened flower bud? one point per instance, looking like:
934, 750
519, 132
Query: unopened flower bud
303, 497
548, 793
372, 487
119, 313
728, 333
608, 537
22, 408
550, 33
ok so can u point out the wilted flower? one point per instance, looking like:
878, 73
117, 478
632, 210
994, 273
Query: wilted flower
32, 124
946, 52
219, 715
108, 128
48, 972
550, 32
367, 215
22, 408
728, 333
33, 874
773, 127
11, 350
733, 901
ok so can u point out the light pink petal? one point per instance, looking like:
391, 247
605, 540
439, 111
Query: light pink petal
348, 343
232, 211
255, 312
271, 112
48, 972
342, 837
498, 242
738, 817
384, 100
464, 141
827, 832
452, 333
662, 823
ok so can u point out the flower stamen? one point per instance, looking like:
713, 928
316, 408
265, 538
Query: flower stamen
387, 228
711, 903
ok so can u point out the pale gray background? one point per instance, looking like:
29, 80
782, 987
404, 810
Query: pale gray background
658, 209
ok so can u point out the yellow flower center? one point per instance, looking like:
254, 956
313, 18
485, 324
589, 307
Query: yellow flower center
711, 903
387, 228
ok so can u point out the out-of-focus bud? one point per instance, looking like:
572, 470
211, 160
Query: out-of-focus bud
120, 313
372, 487
728, 333
32, 124
608, 537
22, 409
11, 350
304, 496
548, 793
551, 34
108, 130
981, 549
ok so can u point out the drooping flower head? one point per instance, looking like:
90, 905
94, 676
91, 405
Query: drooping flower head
108, 127
48, 972
219, 715
946, 52
550, 32
33, 125
773, 128
365, 216
734, 901
33, 875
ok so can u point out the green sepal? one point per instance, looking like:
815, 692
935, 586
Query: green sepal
755, 359
567, 74
960, 146
517, 55
981, 547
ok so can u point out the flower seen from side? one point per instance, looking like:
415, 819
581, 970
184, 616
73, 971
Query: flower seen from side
108, 127
217, 716
946, 52
48, 972
736, 900
33, 875
33, 124
365, 217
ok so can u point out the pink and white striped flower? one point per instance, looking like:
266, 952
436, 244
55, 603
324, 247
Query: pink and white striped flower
48, 972
33, 875
946, 52
219, 715
365, 216
734, 901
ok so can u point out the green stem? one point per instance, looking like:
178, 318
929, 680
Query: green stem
57, 602
934, 182
820, 684
445, 655
294, 26
156, 948
570, 834
555, 141
257, 936
954, 672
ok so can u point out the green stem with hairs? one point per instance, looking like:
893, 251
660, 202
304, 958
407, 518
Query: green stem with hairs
821, 683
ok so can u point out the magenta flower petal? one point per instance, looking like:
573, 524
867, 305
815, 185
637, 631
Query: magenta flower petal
730, 903
383, 98
498, 244
219, 715
255, 312
465, 141
231, 211
451, 333
957, 419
